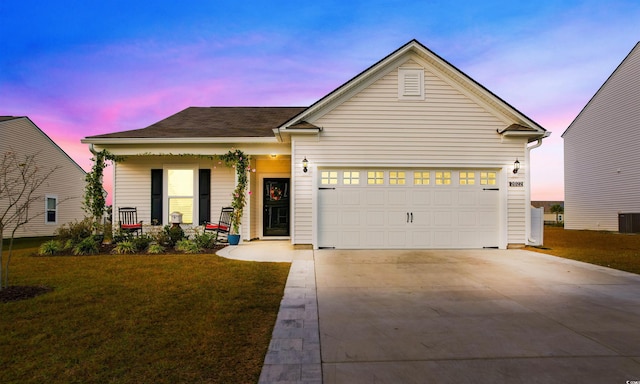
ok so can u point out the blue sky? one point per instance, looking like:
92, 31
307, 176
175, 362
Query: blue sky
79, 68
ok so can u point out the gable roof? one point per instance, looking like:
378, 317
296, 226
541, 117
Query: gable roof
8, 119
524, 127
634, 51
207, 122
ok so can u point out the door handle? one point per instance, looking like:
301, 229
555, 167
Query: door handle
412, 217
407, 217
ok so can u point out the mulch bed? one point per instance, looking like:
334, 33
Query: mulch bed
16, 292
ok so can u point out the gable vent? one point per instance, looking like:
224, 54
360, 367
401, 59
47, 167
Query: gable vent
410, 84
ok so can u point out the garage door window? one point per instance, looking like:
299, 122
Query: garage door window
421, 178
397, 178
329, 177
487, 178
443, 178
375, 177
351, 177
467, 178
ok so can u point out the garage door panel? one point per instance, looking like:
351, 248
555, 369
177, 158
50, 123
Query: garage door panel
411, 215
420, 197
467, 198
443, 198
375, 197
376, 218
377, 239
397, 197
351, 197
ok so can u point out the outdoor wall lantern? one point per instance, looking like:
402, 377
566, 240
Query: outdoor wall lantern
305, 165
516, 166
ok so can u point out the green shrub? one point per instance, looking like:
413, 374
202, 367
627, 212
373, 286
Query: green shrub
141, 242
187, 246
155, 248
205, 240
75, 231
51, 247
175, 234
88, 246
125, 247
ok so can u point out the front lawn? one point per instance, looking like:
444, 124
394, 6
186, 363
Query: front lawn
139, 319
609, 249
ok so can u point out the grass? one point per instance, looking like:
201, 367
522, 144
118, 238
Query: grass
609, 249
139, 319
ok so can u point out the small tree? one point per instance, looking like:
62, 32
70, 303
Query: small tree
94, 194
557, 209
20, 182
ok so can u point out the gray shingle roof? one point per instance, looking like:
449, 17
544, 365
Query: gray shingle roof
214, 122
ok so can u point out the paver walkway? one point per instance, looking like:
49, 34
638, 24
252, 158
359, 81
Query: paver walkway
294, 350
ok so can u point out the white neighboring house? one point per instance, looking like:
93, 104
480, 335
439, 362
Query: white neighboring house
410, 153
61, 194
602, 152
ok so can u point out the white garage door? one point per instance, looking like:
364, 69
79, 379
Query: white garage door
361, 209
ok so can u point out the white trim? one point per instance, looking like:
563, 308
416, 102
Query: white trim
178, 140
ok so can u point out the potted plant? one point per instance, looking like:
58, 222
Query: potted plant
237, 159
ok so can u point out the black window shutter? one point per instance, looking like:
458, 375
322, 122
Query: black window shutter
156, 196
204, 196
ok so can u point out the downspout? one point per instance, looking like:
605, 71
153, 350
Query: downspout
528, 190
92, 149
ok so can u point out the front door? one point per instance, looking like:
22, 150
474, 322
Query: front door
276, 207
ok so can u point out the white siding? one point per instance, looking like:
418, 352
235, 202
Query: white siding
373, 128
602, 177
66, 183
133, 186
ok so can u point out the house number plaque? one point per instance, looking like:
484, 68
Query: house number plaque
516, 183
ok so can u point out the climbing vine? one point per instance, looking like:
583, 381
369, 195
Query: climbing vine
237, 159
94, 194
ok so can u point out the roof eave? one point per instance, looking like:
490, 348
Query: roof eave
176, 140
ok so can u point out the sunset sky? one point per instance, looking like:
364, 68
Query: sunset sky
81, 68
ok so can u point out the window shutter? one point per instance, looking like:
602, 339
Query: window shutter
156, 196
204, 196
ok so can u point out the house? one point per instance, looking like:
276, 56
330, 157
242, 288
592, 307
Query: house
62, 192
550, 216
410, 153
601, 157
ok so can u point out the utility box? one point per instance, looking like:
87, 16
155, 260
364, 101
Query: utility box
629, 222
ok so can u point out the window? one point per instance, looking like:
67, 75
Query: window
351, 177
329, 177
421, 178
51, 209
467, 178
411, 84
180, 184
443, 178
375, 177
396, 178
487, 178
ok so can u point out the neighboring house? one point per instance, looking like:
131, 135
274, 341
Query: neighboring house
601, 152
549, 216
61, 193
410, 153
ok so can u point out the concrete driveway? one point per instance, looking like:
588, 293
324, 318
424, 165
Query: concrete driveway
483, 316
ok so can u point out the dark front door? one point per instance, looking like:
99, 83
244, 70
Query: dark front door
276, 207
